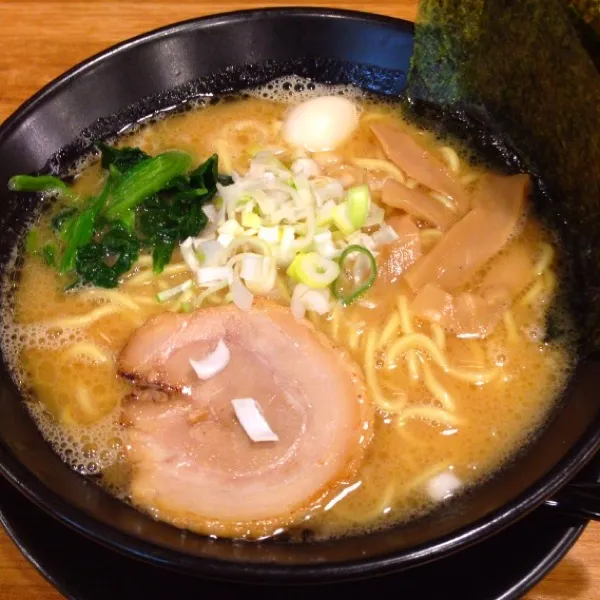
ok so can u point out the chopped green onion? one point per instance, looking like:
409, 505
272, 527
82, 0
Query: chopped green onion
174, 291
351, 215
269, 234
324, 245
231, 227
376, 215
341, 218
259, 272
344, 288
288, 235
291, 270
359, 203
314, 270
250, 219
325, 214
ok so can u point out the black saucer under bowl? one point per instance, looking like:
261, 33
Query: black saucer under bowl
503, 567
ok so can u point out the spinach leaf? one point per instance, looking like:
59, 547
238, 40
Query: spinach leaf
148, 177
161, 255
121, 159
174, 214
60, 219
165, 220
49, 254
206, 176
225, 180
146, 201
40, 183
79, 229
102, 263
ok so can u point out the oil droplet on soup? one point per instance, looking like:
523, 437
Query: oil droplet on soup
436, 431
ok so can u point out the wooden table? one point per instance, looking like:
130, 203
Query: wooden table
42, 39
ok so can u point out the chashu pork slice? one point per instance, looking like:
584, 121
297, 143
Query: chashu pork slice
194, 464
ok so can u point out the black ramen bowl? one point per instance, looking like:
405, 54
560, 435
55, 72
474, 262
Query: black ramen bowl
158, 73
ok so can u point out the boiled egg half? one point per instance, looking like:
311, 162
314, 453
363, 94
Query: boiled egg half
320, 124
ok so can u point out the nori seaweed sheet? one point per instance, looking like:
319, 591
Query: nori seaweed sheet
515, 82
588, 11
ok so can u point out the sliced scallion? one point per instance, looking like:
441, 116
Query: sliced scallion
359, 203
341, 218
314, 270
174, 291
250, 219
348, 287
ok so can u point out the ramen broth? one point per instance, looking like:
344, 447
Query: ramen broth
434, 434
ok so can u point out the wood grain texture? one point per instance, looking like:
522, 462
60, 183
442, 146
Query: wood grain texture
42, 39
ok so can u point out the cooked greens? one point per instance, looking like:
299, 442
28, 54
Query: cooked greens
102, 263
146, 178
147, 202
39, 183
121, 160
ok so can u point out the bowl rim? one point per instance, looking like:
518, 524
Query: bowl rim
29, 105
258, 572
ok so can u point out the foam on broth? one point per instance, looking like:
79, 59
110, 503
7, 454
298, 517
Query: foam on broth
494, 421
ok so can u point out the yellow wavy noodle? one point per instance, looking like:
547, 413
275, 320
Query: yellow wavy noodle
407, 328
112, 296
549, 279
87, 351
533, 293
445, 201
144, 260
334, 321
385, 166
512, 333
355, 336
381, 503
378, 395
438, 391
450, 157
208, 292
469, 179
420, 341
545, 259
147, 276
390, 328
438, 336
87, 319
75, 390
433, 414
418, 481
